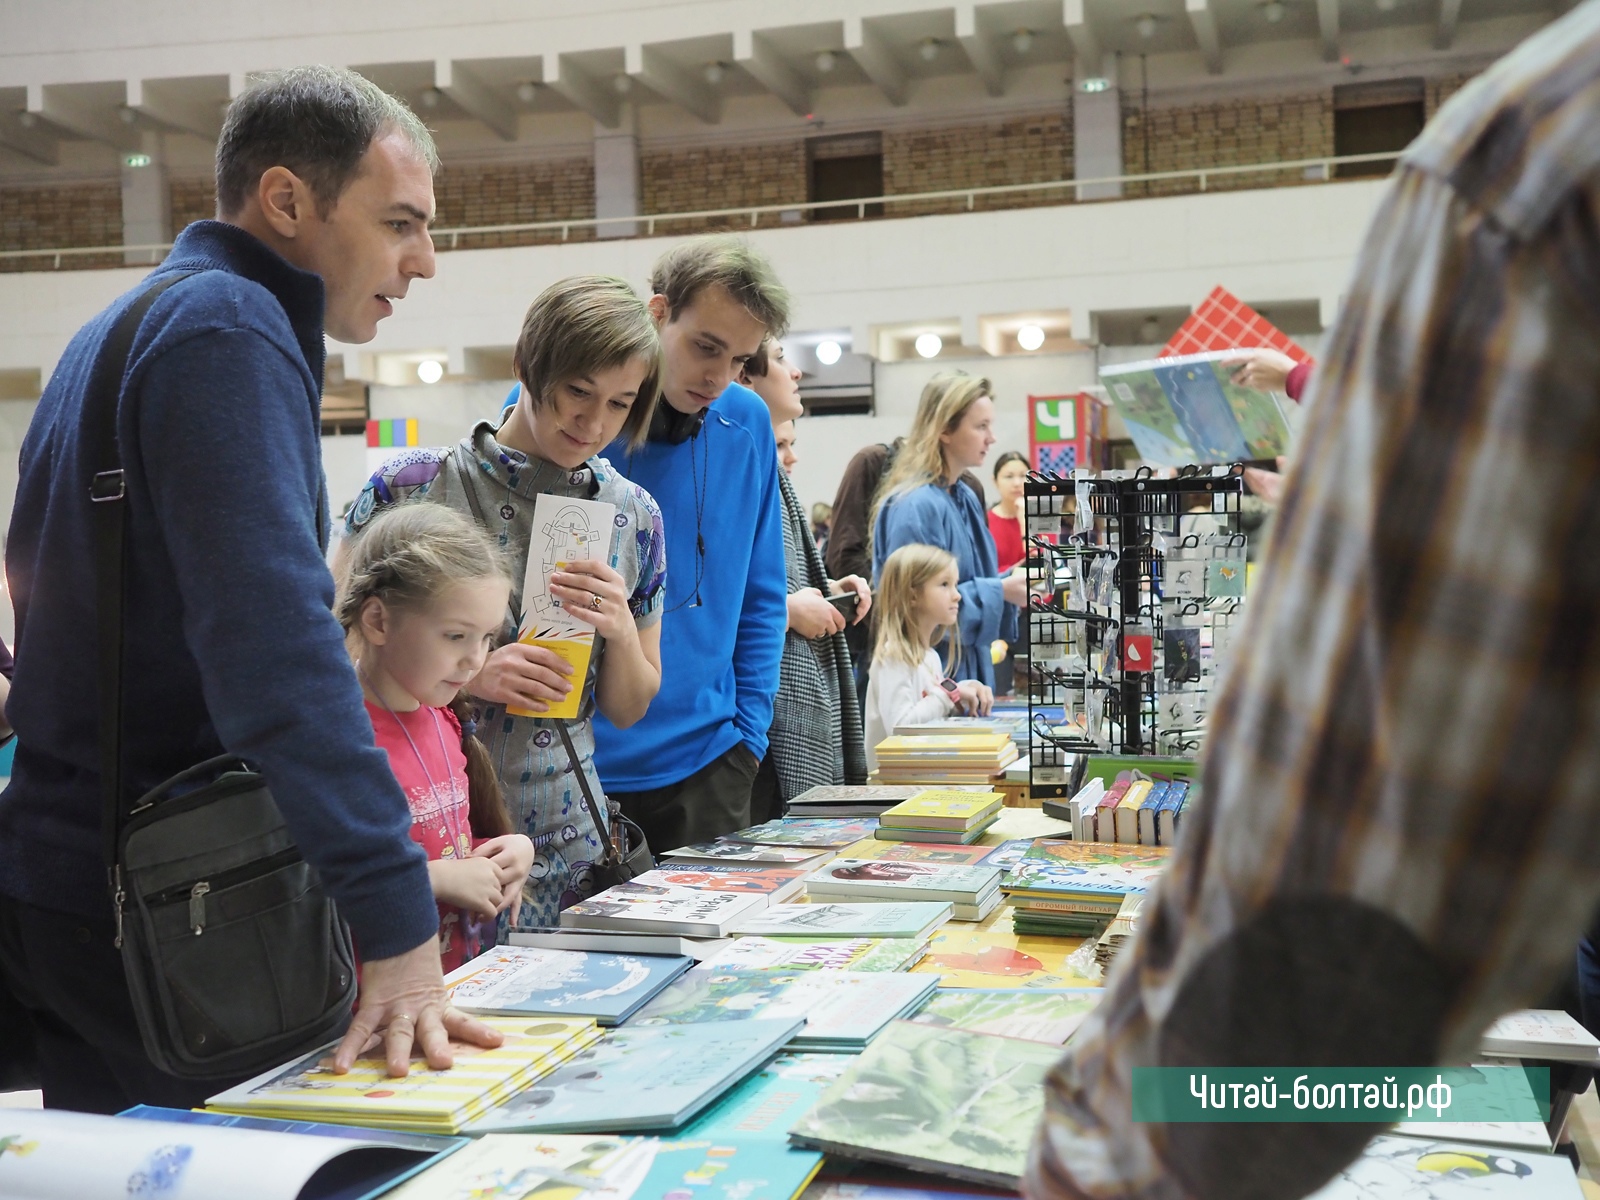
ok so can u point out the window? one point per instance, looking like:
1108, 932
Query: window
844, 168
1375, 118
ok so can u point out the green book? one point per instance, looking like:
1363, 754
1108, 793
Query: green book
1039, 1015
939, 1100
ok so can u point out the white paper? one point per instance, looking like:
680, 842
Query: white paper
565, 530
510, 1166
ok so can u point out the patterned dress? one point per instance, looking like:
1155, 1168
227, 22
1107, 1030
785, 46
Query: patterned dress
541, 793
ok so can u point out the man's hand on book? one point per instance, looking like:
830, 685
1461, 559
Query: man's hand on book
403, 1005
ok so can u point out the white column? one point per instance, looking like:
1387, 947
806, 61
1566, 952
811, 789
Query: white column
616, 176
146, 202
1097, 133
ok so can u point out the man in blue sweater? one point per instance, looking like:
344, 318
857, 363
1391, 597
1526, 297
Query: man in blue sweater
684, 772
324, 192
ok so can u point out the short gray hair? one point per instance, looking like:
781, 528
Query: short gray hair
316, 121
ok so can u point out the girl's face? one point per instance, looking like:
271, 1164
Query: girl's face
939, 602
1011, 478
779, 387
967, 445
431, 653
784, 435
583, 416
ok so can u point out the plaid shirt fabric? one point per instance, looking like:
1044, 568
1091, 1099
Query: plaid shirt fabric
1399, 833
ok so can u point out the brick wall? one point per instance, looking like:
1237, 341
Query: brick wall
513, 194
1226, 133
83, 214
1017, 150
191, 200
1441, 89
687, 180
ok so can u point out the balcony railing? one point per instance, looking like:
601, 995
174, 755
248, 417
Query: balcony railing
644, 225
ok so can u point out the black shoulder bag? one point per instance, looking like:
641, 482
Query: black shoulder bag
234, 955
628, 855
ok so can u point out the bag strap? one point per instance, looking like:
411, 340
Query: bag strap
108, 497
561, 726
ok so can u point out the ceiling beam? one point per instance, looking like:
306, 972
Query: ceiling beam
671, 82
1328, 29
1449, 16
1204, 23
30, 142
763, 64
581, 89
65, 112
475, 98
1084, 39
872, 54
980, 50
202, 120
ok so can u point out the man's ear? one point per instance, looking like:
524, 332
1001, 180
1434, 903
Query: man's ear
659, 309
374, 621
285, 200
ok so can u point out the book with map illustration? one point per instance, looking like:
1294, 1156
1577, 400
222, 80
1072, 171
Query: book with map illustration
1189, 410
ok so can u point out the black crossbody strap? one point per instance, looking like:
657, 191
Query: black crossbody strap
464, 472
108, 494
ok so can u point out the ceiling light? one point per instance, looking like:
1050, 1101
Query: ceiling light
929, 50
929, 345
1272, 10
713, 73
623, 84
828, 352
430, 370
526, 91
136, 160
430, 97
1146, 25
1094, 83
826, 60
1030, 337
1022, 41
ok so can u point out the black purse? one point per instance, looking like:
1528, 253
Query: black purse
235, 957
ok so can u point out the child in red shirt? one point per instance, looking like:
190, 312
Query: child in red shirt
423, 597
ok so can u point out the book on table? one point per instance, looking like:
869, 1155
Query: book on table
821, 832
842, 1010
641, 1077
941, 809
946, 1101
773, 883
1035, 1015
952, 837
1053, 868
1542, 1033
152, 1153
425, 1100
913, 850
978, 911
1404, 1168
651, 908
849, 800
964, 956
891, 879
804, 857
1502, 1112
960, 747
913, 919
526, 980
605, 941
832, 954
768, 1102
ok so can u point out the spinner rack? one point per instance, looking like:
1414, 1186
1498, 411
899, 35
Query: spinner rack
1135, 584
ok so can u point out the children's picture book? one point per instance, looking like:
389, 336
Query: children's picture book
425, 1100
167, 1154
774, 882
912, 920
1034, 1014
889, 879
771, 1100
1402, 1168
842, 1010
1004, 857
964, 957
1542, 1033
915, 851
794, 856
832, 954
1188, 409
945, 837
1012, 724
942, 809
957, 1104
642, 1077
822, 832
1099, 868
1502, 1111
565, 529
701, 1168
518, 980
849, 800
540, 1167
657, 908
554, 937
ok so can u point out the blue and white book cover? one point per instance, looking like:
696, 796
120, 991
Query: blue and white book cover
518, 980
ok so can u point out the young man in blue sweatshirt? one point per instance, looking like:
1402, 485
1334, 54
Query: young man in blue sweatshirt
684, 772
325, 191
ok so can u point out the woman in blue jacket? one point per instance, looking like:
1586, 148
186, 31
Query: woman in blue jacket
922, 500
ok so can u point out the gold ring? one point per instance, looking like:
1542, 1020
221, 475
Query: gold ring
594, 603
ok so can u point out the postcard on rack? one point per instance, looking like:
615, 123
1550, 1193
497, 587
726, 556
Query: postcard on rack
565, 529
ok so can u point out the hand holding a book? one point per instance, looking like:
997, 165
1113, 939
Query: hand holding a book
403, 1004
524, 676
811, 616
579, 584
1263, 369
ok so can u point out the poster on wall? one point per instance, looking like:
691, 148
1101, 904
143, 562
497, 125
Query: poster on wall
1065, 433
387, 438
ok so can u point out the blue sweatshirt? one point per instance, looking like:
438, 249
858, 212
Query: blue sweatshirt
719, 660
230, 641
952, 519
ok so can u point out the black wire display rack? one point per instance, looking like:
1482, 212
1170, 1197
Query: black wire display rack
1135, 585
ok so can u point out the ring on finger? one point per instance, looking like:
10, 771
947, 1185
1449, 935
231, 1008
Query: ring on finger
594, 603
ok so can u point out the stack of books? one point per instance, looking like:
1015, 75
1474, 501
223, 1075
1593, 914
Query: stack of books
818, 832
1542, 1033
1122, 927
960, 818
425, 1101
1074, 889
914, 921
1013, 723
819, 954
633, 907
972, 892
774, 883
802, 858
511, 981
944, 758
849, 800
